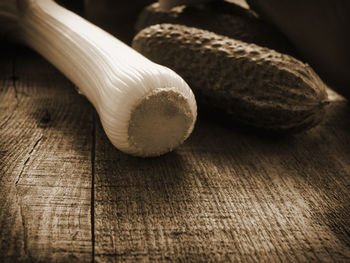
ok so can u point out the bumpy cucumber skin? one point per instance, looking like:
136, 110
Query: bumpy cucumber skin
258, 86
220, 17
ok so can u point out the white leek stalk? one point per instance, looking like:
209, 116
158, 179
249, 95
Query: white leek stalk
145, 109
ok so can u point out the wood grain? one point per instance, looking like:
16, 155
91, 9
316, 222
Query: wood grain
228, 196
45, 164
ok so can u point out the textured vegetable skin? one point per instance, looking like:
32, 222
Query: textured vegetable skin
258, 86
220, 17
145, 108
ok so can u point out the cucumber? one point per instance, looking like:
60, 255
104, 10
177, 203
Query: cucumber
220, 17
257, 86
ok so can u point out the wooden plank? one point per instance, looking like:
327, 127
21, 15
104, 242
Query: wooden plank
45, 163
223, 196
228, 196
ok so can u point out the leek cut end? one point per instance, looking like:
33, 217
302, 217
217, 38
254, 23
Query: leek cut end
160, 122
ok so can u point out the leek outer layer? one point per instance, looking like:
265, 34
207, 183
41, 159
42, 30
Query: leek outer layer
145, 109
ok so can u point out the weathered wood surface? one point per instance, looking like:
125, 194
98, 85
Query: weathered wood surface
223, 196
45, 164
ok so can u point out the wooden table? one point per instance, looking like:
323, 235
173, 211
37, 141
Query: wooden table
67, 195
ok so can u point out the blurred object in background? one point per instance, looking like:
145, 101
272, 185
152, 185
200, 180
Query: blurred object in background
77, 6
116, 17
241, 3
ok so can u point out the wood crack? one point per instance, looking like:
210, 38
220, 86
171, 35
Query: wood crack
92, 209
14, 79
24, 228
28, 158
25, 235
